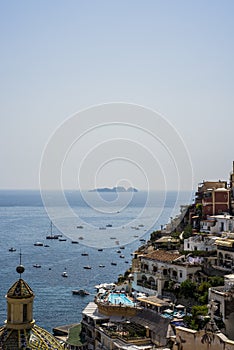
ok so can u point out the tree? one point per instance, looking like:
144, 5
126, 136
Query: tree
187, 231
187, 288
216, 281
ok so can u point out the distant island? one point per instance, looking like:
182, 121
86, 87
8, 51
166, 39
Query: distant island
114, 189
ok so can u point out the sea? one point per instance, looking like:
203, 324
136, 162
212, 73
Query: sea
100, 223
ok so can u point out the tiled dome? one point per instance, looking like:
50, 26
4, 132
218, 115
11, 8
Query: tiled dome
20, 289
28, 339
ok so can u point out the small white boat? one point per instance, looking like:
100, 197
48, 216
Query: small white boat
36, 265
38, 244
113, 263
87, 267
64, 274
122, 256
101, 265
80, 226
84, 254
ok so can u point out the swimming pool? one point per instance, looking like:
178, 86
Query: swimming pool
116, 298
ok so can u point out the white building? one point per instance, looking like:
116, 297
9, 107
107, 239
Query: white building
202, 242
160, 266
221, 300
218, 224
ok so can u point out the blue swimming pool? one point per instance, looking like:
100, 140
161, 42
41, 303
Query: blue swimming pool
116, 298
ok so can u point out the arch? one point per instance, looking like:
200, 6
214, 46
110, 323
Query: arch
151, 280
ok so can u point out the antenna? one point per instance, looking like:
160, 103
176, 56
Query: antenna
20, 254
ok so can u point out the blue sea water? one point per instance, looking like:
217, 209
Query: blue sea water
24, 220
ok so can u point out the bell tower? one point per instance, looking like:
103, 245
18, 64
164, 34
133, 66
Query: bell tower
20, 304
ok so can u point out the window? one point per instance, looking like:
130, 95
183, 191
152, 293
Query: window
25, 313
181, 274
188, 245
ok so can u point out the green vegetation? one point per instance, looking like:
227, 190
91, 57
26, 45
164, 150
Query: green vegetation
187, 288
187, 231
155, 235
74, 337
198, 317
199, 209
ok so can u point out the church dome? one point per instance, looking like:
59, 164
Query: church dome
20, 289
20, 331
28, 339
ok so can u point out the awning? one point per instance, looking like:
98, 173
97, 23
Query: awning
224, 243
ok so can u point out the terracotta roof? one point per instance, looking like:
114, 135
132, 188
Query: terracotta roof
20, 289
162, 255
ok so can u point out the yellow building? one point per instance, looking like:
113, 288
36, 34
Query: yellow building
20, 330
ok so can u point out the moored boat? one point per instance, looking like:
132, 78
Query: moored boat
38, 244
52, 236
81, 292
12, 249
36, 265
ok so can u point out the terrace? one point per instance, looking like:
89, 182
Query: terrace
126, 331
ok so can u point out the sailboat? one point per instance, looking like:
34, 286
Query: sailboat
51, 236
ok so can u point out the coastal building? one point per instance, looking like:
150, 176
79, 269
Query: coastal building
20, 330
232, 189
201, 242
225, 252
222, 299
123, 328
160, 266
214, 197
207, 338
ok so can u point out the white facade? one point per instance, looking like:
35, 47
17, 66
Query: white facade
222, 300
154, 273
218, 224
200, 242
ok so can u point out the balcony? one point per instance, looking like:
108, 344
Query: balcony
146, 285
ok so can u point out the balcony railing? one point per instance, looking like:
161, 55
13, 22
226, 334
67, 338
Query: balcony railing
146, 285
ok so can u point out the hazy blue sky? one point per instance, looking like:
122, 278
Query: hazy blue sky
58, 57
